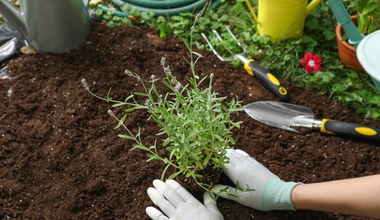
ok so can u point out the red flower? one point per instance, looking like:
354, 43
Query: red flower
311, 62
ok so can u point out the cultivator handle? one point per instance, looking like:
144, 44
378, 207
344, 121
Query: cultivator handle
348, 129
267, 79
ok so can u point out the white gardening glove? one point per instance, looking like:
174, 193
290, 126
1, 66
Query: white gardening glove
176, 203
256, 186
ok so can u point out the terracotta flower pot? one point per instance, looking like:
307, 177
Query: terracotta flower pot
347, 53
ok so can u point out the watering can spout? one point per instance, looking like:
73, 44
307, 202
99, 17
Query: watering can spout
15, 18
311, 6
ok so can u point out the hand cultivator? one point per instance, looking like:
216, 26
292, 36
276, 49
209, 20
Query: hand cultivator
267, 79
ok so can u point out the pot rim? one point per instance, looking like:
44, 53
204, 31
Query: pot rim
338, 33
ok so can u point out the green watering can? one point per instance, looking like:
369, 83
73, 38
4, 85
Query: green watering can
367, 47
54, 26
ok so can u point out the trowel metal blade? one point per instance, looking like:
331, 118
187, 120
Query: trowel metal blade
277, 114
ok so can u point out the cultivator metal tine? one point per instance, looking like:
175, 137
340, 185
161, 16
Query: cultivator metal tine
214, 50
236, 40
266, 78
219, 37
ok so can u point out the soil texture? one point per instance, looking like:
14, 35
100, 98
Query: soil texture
60, 157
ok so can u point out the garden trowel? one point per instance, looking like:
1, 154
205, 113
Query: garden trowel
293, 117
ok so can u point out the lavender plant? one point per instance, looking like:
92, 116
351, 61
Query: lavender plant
195, 122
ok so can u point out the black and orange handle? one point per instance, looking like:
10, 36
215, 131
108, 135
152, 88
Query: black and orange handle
350, 130
267, 79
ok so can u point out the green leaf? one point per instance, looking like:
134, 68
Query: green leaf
219, 138
120, 122
126, 136
174, 175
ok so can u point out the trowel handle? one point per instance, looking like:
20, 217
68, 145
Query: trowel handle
267, 79
350, 130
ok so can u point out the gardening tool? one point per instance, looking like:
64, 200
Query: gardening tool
369, 53
292, 117
343, 18
282, 19
267, 79
54, 26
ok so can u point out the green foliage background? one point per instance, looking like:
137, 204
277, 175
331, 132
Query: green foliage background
346, 86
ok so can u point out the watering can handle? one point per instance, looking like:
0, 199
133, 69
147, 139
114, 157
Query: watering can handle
311, 6
253, 13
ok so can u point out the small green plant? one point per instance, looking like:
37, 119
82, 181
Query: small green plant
195, 122
368, 12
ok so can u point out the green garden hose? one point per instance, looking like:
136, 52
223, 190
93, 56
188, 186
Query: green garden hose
162, 7
116, 13
160, 4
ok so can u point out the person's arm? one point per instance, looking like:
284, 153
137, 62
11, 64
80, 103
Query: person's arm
357, 196
259, 188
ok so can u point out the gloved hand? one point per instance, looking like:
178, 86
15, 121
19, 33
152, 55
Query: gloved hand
177, 203
257, 187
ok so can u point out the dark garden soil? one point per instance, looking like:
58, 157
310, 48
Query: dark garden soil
60, 157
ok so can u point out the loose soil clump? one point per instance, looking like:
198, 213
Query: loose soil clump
60, 157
